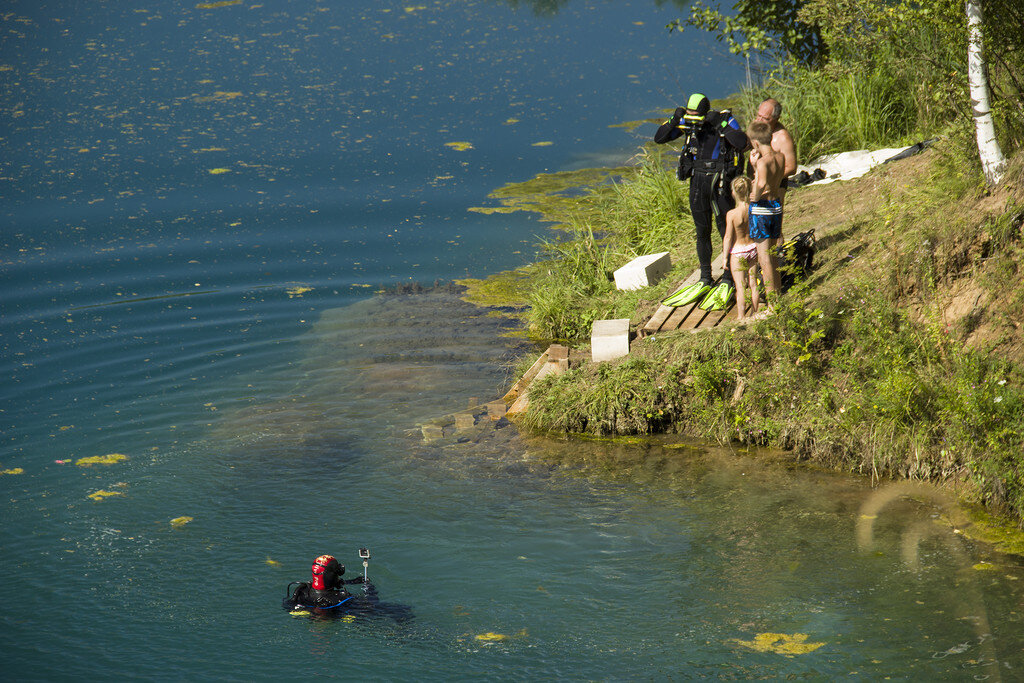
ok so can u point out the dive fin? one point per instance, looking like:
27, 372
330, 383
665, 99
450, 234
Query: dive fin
718, 299
687, 295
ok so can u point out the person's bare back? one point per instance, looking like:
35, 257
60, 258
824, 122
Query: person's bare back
769, 164
766, 201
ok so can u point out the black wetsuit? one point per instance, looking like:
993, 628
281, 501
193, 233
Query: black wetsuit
305, 595
711, 159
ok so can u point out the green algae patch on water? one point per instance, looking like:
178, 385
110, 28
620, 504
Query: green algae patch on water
507, 289
219, 4
102, 493
553, 195
109, 459
13, 470
1003, 536
179, 522
297, 291
492, 637
459, 146
780, 643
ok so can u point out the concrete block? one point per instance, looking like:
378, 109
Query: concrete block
643, 271
432, 432
496, 409
609, 339
464, 421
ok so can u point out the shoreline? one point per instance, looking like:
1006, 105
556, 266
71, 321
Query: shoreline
882, 324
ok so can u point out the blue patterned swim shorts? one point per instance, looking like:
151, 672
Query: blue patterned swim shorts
765, 219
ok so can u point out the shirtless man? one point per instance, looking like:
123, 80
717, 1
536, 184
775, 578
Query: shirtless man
766, 202
782, 142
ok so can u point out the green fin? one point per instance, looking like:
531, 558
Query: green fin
719, 298
687, 295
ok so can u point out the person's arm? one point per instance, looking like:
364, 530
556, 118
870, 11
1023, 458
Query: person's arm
729, 239
788, 149
736, 137
297, 597
669, 130
760, 179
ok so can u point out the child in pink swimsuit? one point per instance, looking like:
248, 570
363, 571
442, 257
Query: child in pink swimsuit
743, 254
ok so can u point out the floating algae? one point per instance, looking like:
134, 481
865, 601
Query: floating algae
491, 637
109, 459
13, 470
273, 563
459, 146
219, 96
780, 643
220, 3
218, 171
179, 522
101, 494
555, 195
297, 291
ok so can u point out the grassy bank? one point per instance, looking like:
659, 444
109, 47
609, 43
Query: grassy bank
902, 355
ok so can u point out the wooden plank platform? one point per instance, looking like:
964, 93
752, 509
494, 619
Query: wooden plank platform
688, 317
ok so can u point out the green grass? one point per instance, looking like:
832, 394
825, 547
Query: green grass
852, 383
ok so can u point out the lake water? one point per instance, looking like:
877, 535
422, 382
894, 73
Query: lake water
199, 204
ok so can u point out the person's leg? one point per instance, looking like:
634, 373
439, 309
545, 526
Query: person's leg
782, 205
773, 250
700, 210
755, 291
740, 294
723, 204
766, 260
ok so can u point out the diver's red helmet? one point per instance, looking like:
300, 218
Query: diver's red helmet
327, 573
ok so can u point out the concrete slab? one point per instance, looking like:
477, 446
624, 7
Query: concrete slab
609, 339
643, 271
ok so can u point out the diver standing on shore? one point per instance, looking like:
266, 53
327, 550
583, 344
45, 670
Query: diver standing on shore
710, 159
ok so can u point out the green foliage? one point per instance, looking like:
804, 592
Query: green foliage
574, 286
853, 379
861, 73
829, 113
759, 25
574, 271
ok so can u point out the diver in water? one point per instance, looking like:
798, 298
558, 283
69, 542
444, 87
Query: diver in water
327, 589
325, 597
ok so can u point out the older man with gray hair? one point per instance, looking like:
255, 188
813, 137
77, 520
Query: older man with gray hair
769, 111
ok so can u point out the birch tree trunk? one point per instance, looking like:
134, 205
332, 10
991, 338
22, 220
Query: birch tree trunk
992, 160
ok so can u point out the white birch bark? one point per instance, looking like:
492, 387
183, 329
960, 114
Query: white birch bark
992, 161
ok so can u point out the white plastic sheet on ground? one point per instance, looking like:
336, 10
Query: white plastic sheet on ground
849, 165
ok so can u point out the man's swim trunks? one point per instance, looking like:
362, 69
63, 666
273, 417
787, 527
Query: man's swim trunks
765, 219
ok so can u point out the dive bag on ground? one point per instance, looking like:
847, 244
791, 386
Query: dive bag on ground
796, 258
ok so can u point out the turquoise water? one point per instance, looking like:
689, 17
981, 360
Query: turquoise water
198, 206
